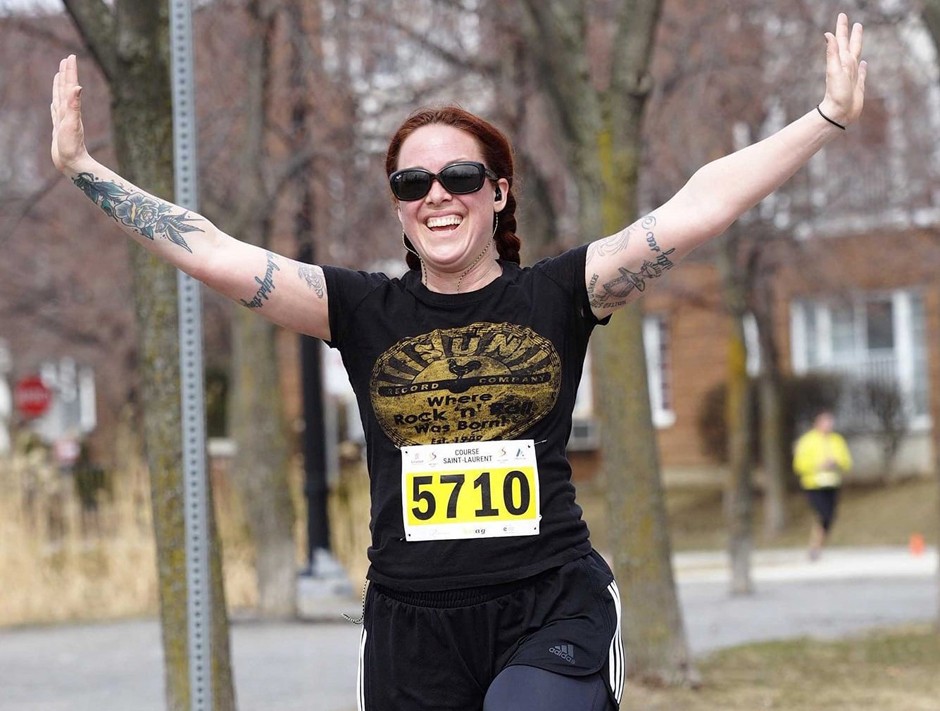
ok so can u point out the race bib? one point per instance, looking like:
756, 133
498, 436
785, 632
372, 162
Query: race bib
470, 490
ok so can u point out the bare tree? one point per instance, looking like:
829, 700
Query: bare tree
776, 465
246, 205
130, 42
601, 128
739, 502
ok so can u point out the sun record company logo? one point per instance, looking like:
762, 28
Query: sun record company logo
479, 382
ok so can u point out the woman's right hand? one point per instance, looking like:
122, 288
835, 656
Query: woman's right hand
68, 134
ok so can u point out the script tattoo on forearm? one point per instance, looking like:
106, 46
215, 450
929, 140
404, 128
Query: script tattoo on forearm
648, 223
314, 278
149, 217
265, 285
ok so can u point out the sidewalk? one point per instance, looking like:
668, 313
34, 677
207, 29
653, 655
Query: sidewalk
847, 591
792, 564
311, 666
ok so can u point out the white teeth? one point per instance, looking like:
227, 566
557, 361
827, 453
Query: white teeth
444, 221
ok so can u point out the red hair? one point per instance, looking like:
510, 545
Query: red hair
497, 156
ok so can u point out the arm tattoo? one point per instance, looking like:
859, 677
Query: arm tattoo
610, 245
618, 291
265, 286
649, 222
314, 278
145, 215
601, 301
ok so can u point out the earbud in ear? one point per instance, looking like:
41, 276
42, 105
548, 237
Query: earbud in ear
499, 194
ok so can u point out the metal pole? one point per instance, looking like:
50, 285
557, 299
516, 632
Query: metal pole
195, 495
316, 489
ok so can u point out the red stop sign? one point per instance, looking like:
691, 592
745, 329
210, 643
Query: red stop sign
31, 397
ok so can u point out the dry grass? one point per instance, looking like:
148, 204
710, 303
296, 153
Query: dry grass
60, 562
349, 522
868, 515
888, 671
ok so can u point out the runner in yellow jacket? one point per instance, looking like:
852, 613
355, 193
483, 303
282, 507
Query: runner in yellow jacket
820, 458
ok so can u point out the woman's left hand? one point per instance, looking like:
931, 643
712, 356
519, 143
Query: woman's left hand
68, 133
845, 73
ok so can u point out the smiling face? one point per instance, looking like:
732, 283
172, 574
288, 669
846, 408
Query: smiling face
448, 231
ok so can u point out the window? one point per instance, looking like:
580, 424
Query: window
584, 432
656, 344
867, 337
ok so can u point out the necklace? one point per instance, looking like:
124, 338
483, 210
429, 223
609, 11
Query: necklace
475, 262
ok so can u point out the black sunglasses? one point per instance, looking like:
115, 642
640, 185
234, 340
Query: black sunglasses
457, 178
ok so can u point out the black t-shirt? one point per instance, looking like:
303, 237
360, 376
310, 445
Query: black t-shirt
500, 363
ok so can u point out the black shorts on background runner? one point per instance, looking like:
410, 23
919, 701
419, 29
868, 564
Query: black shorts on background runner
441, 650
824, 502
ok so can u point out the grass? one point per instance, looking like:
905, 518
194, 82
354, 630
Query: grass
868, 515
895, 670
57, 561
61, 561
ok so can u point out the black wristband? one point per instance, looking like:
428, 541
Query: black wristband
829, 119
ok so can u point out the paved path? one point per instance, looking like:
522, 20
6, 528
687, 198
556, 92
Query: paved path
848, 591
118, 667
312, 666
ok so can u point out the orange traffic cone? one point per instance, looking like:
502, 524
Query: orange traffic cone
916, 544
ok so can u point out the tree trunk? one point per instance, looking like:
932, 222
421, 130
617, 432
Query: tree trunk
739, 502
776, 466
261, 469
741, 497
654, 634
306, 49
770, 406
603, 130
138, 46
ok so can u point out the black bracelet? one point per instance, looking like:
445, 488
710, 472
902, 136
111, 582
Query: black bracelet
829, 119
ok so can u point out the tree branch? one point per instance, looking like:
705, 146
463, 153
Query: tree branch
32, 199
473, 64
97, 26
39, 29
557, 38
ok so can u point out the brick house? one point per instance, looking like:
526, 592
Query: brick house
855, 290
877, 323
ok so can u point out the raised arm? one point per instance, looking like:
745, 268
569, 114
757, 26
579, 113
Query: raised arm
283, 290
619, 267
